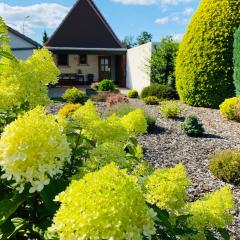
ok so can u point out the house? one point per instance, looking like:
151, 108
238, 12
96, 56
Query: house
21, 45
138, 66
86, 49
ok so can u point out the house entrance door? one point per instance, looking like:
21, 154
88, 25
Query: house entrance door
105, 68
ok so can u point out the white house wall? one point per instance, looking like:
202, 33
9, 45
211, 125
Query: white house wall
138, 71
17, 43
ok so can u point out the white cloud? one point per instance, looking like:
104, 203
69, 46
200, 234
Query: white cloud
178, 37
188, 11
162, 21
43, 15
151, 2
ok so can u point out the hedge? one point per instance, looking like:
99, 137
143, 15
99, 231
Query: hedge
204, 66
236, 61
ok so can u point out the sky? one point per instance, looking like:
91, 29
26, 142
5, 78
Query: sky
127, 17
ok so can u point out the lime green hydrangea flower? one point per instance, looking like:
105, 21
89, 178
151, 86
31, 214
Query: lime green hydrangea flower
135, 122
106, 153
212, 211
109, 130
107, 204
33, 149
86, 115
167, 188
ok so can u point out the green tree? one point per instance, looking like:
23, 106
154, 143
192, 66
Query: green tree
4, 40
236, 61
128, 42
144, 37
45, 37
204, 66
162, 62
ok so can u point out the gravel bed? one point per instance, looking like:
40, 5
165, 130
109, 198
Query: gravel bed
168, 146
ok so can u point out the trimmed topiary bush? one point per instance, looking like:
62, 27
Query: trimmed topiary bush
170, 109
230, 108
204, 66
74, 95
236, 61
133, 94
192, 126
225, 165
106, 85
160, 91
151, 100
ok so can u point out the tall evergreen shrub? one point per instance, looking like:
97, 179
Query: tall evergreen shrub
204, 66
236, 61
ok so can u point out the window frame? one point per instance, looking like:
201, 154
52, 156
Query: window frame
79, 59
67, 59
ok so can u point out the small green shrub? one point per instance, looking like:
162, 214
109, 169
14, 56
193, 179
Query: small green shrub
161, 91
151, 100
133, 94
192, 126
151, 121
170, 109
230, 108
74, 95
106, 85
225, 165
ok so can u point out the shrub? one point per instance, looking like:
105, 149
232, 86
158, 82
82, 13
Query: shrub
106, 85
170, 109
68, 109
116, 99
204, 66
114, 208
133, 94
100, 97
236, 61
135, 122
74, 95
225, 165
151, 100
26, 81
161, 91
192, 126
230, 108
151, 121
37, 152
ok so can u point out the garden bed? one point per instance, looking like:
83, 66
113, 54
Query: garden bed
168, 146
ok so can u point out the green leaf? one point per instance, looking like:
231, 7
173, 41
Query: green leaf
9, 204
224, 233
7, 55
11, 227
50, 192
209, 235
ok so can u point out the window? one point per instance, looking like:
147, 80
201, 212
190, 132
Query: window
82, 59
62, 59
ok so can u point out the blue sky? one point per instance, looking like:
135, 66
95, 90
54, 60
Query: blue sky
126, 17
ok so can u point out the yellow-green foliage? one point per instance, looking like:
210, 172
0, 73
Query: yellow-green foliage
135, 122
236, 61
109, 130
68, 109
167, 188
212, 211
74, 95
33, 149
26, 81
225, 165
151, 100
170, 109
204, 66
86, 115
107, 204
133, 94
230, 108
